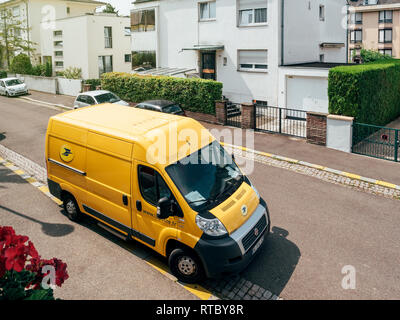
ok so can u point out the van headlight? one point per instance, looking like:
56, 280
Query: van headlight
211, 227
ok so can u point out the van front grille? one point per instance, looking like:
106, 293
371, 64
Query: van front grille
251, 236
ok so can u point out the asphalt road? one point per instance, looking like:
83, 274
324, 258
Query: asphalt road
318, 228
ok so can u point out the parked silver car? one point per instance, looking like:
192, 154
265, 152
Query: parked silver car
91, 98
12, 87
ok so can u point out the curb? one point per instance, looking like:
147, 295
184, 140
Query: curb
47, 103
319, 167
27, 177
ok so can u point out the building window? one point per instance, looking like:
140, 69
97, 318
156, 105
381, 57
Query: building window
252, 12
57, 33
321, 58
143, 20
370, 2
105, 64
356, 36
356, 18
385, 36
58, 43
68, 10
207, 11
16, 11
253, 60
127, 31
322, 13
128, 58
107, 37
59, 64
387, 52
58, 53
386, 16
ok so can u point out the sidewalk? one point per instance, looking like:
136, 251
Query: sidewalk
290, 147
55, 99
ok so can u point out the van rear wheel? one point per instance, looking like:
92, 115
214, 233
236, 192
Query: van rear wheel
185, 265
71, 208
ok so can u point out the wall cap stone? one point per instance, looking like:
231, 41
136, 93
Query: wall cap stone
339, 117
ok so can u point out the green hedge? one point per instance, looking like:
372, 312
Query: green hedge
3, 74
196, 95
368, 92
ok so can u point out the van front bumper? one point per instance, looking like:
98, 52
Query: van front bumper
232, 254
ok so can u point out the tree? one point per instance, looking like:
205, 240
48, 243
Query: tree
371, 56
110, 9
21, 64
12, 35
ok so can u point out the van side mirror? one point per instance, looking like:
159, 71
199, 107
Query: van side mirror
164, 208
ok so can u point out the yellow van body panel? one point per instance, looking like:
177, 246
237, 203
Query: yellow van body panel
230, 211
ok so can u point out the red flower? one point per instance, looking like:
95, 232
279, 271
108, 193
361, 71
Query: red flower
15, 258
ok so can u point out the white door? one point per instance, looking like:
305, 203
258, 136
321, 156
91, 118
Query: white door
307, 93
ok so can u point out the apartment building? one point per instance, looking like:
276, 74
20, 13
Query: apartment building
69, 33
374, 25
241, 43
96, 43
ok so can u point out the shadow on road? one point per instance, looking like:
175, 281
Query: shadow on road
2, 136
50, 229
7, 176
275, 264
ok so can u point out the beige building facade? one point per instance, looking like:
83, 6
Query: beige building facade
374, 25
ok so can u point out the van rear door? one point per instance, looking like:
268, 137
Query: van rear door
108, 181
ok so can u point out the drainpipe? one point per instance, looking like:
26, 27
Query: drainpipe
282, 32
27, 26
347, 31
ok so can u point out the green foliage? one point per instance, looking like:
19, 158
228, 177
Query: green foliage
140, 58
368, 92
3, 74
372, 56
21, 64
48, 72
196, 95
72, 73
110, 9
13, 287
93, 83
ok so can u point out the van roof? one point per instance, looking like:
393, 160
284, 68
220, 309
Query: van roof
133, 124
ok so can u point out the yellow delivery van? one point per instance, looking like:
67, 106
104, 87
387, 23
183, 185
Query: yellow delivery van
160, 179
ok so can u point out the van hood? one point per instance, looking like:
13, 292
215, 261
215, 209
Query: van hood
238, 208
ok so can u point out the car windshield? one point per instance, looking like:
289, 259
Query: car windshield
107, 97
13, 82
173, 108
206, 177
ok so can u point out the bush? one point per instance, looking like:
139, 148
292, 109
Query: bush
39, 70
372, 56
23, 271
140, 58
72, 73
21, 64
368, 92
3, 74
196, 95
93, 83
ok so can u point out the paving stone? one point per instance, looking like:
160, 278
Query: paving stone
267, 294
247, 297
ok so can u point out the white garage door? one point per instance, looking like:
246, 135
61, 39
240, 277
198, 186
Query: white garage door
307, 93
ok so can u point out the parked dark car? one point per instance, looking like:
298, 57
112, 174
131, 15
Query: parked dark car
164, 106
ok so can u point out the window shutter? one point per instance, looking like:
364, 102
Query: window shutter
252, 4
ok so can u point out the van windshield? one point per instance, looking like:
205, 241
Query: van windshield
206, 177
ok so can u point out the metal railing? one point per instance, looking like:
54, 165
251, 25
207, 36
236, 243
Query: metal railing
291, 122
376, 141
233, 114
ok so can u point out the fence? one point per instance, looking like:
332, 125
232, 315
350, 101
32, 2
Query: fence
233, 114
376, 141
291, 122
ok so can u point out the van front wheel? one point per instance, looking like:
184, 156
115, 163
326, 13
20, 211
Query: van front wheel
71, 208
186, 266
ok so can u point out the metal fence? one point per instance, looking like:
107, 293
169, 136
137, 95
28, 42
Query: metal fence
291, 122
233, 114
376, 141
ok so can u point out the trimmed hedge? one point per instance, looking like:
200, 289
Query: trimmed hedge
196, 95
368, 92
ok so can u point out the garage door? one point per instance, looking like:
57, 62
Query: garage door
307, 93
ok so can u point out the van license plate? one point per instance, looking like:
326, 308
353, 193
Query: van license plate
258, 245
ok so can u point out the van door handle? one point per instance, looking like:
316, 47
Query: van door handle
138, 205
125, 199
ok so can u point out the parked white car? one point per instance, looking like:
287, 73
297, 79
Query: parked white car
12, 87
90, 98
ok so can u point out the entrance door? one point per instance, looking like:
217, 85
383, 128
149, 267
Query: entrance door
208, 65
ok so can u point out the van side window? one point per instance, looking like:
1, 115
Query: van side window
152, 186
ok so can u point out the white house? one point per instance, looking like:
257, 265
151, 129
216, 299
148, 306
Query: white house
243, 43
71, 33
96, 43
